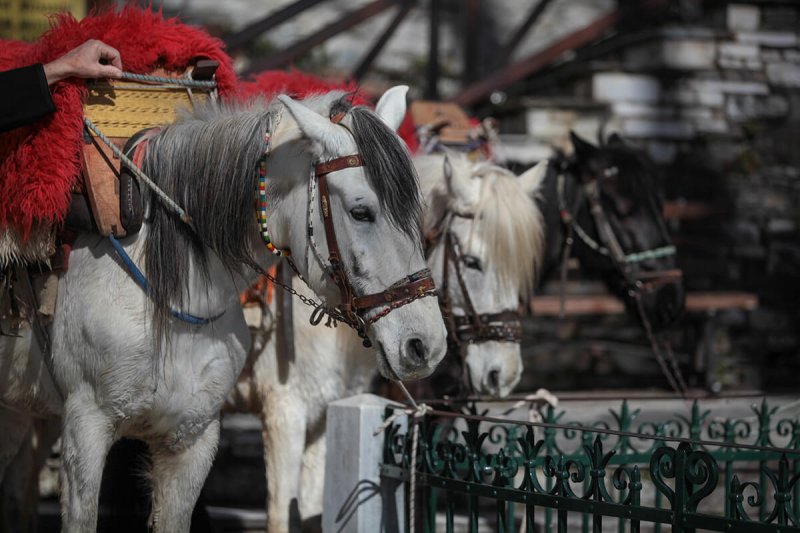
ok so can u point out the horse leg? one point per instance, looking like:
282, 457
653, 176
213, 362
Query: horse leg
312, 482
178, 478
87, 437
283, 429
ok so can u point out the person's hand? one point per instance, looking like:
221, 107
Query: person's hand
85, 62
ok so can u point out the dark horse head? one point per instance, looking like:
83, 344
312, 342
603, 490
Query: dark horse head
610, 217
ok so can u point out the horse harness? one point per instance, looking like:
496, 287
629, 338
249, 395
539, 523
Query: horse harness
352, 308
474, 327
610, 247
637, 283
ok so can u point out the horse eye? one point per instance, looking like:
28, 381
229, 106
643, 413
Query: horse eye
362, 214
470, 261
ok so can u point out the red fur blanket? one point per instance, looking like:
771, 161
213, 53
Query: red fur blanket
40, 163
298, 84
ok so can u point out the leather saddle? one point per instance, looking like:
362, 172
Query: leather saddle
109, 199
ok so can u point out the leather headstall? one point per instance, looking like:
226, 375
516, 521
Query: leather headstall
504, 326
413, 287
636, 280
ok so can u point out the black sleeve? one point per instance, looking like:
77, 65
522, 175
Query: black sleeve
24, 96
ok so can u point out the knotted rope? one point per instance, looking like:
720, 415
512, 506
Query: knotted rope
417, 412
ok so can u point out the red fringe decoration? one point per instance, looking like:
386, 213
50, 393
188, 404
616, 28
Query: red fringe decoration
40, 163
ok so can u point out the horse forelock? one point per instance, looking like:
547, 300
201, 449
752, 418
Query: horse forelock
389, 170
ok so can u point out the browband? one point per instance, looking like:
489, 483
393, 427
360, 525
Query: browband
340, 163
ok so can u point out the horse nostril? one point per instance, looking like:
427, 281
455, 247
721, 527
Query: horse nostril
494, 379
416, 351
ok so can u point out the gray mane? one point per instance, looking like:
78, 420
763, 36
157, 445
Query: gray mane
207, 163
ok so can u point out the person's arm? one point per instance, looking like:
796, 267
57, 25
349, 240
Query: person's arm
24, 96
25, 93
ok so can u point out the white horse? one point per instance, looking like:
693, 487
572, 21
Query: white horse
492, 215
157, 365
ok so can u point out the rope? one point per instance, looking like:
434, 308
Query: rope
417, 412
183, 82
139, 174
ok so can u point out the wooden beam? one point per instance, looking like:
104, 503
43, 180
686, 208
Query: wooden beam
522, 30
471, 38
523, 68
347, 21
383, 38
432, 70
275, 18
606, 304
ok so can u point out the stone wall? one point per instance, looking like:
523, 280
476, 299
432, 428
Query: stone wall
715, 101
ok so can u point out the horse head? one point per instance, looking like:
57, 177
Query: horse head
609, 201
484, 232
345, 200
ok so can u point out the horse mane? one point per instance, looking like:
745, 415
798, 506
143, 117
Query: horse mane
206, 162
505, 217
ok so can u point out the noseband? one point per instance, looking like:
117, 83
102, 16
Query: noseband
473, 327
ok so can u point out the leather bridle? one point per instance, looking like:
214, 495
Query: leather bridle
352, 309
474, 327
636, 281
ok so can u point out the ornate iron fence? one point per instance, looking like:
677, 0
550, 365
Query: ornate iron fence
692, 471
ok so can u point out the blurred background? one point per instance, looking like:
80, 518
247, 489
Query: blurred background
709, 89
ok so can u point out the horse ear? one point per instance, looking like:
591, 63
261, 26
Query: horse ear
457, 174
314, 126
615, 140
583, 149
531, 180
392, 106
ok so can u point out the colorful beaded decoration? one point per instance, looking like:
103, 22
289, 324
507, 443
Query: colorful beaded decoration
261, 207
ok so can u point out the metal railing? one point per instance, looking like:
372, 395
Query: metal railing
690, 471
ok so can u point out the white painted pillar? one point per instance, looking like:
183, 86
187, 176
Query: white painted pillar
356, 499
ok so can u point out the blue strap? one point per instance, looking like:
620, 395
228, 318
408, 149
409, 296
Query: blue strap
141, 281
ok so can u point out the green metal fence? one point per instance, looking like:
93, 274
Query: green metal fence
693, 471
